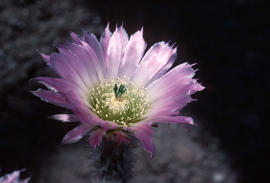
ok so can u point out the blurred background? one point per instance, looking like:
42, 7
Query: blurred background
227, 39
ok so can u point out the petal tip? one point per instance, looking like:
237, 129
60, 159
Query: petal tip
190, 121
35, 92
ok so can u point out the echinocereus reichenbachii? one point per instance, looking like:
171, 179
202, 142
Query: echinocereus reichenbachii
113, 88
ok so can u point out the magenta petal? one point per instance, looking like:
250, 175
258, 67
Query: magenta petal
133, 54
13, 178
173, 77
116, 48
25, 180
58, 84
120, 137
76, 134
76, 39
74, 97
196, 87
96, 137
171, 97
105, 38
70, 90
52, 97
77, 103
86, 116
174, 119
68, 70
166, 67
171, 106
46, 58
83, 60
158, 59
93, 44
65, 117
172, 91
98, 65
146, 142
92, 41
144, 132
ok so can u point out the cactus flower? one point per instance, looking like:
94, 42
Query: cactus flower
113, 88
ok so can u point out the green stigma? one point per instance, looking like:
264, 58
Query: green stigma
118, 92
118, 101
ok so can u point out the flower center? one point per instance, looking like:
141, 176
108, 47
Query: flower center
118, 101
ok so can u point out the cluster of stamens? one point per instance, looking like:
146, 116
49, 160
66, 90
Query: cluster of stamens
118, 101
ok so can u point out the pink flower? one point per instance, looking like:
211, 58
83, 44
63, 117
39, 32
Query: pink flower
111, 86
13, 178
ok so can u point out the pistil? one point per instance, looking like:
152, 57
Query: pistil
118, 101
118, 92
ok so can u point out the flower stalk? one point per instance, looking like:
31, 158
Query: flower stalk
114, 161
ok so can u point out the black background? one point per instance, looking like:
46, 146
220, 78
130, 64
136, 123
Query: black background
227, 39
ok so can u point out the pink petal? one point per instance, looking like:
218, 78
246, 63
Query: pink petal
172, 91
133, 54
174, 100
144, 132
76, 39
96, 137
86, 116
115, 52
57, 84
46, 58
97, 63
76, 134
92, 41
171, 106
120, 138
105, 38
84, 62
172, 78
65, 117
174, 119
68, 70
158, 59
13, 178
25, 180
70, 90
52, 97
79, 104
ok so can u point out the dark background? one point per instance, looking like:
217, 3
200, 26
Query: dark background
227, 39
